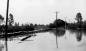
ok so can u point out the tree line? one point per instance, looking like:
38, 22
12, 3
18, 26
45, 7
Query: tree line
15, 27
79, 24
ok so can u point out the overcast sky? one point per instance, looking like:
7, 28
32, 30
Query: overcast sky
43, 11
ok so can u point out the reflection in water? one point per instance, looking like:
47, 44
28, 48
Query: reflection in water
78, 34
46, 41
80, 37
58, 32
1, 46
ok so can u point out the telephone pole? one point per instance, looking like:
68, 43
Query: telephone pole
56, 15
65, 26
6, 27
65, 23
56, 29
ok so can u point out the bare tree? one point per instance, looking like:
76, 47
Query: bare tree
11, 19
1, 18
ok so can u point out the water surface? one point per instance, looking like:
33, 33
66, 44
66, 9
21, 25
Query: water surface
48, 41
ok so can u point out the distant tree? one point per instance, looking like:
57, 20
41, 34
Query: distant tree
22, 25
35, 25
1, 18
51, 25
31, 25
16, 24
78, 17
59, 23
11, 19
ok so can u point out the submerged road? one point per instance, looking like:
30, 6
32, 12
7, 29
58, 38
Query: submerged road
26, 32
46, 41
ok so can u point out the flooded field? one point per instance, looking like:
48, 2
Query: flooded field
49, 41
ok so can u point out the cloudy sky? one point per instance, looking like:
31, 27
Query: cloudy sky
43, 11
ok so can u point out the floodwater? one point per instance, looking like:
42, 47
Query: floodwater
49, 41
